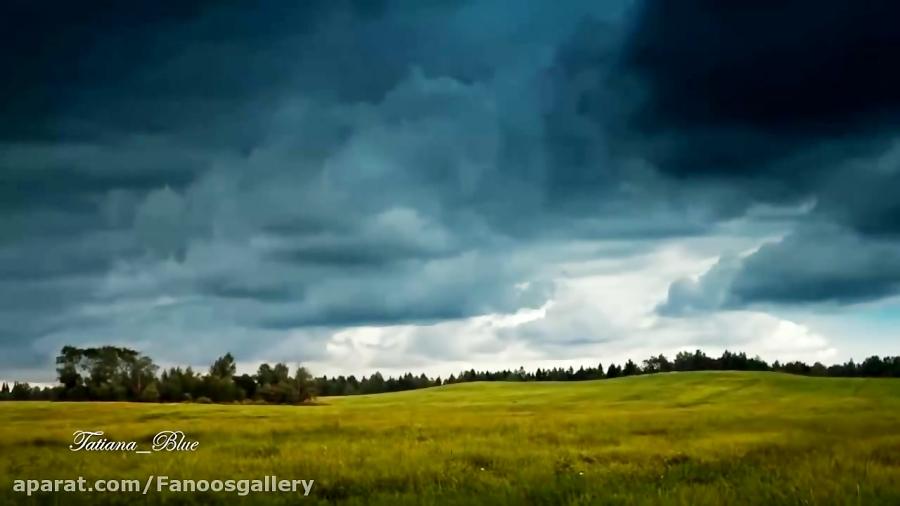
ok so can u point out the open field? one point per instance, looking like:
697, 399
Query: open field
686, 438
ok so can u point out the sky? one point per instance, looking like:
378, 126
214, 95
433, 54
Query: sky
432, 186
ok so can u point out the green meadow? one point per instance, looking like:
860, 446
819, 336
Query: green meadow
705, 438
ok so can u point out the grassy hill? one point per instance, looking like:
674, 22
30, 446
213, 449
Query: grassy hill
684, 438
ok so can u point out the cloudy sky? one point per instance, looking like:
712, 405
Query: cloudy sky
428, 186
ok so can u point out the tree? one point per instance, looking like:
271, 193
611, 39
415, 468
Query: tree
303, 380
697, 361
224, 367
757, 364
613, 371
630, 369
657, 364
874, 367
818, 369
247, 384
141, 371
106, 380
104, 373
796, 367
114, 373
219, 384
265, 375
893, 365
21, 391
67, 367
178, 385
150, 393
375, 383
281, 373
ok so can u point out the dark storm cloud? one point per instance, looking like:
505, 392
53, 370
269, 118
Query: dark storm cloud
788, 101
81, 70
236, 289
822, 266
206, 171
817, 264
775, 77
33, 308
71, 177
863, 196
189, 169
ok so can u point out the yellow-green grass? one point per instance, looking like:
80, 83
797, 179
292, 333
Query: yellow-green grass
683, 438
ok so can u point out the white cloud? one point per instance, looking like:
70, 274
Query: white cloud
604, 313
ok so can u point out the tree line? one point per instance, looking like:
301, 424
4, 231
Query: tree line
111, 373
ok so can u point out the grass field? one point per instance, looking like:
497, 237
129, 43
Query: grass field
685, 438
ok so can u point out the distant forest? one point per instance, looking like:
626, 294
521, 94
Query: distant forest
112, 373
